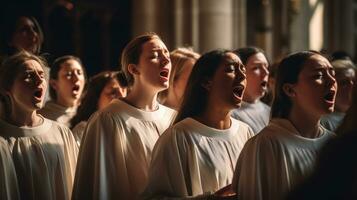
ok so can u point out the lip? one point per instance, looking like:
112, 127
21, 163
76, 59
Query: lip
164, 74
238, 91
331, 93
75, 89
38, 94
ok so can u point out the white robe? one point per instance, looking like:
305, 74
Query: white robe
256, 115
40, 161
332, 121
192, 160
116, 151
275, 160
78, 131
58, 113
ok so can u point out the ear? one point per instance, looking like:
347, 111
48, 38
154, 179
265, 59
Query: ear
53, 84
207, 84
133, 69
289, 90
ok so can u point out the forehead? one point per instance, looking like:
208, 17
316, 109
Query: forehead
24, 21
258, 57
231, 58
154, 44
316, 62
70, 64
32, 65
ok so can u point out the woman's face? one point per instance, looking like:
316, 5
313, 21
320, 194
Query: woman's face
315, 91
345, 81
228, 83
112, 90
257, 77
154, 65
29, 88
70, 83
26, 36
179, 85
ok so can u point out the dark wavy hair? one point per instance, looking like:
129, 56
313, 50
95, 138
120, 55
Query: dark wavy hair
96, 84
195, 97
245, 53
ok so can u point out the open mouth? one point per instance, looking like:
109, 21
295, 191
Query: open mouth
238, 91
264, 84
38, 93
330, 96
75, 89
164, 73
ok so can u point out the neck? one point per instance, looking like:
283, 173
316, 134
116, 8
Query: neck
143, 99
215, 117
306, 124
249, 99
67, 104
30, 119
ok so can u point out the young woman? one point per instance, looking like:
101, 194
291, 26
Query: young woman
196, 157
43, 152
67, 80
254, 112
284, 152
118, 140
101, 90
182, 60
345, 77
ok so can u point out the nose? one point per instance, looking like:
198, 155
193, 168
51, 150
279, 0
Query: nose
265, 71
240, 74
38, 79
165, 59
331, 80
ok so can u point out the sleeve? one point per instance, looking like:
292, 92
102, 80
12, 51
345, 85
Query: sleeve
260, 171
101, 171
169, 173
8, 181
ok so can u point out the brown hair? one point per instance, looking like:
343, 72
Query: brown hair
132, 52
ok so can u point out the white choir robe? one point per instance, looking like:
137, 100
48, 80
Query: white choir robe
276, 160
256, 115
332, 121
78, 131
192, 160
116, 151
58, 113
43, 159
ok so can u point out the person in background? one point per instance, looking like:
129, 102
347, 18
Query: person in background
101, 90
254, 112
197, 155
67, 81
38, 155
345, 77
117, 145
183, 60
284, 153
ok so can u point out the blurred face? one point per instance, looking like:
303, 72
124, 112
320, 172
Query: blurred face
257, 77
154, 65
179, 85
26, 36
345, 80
228, 84
69, 84
28, 90
315, 91
112, 90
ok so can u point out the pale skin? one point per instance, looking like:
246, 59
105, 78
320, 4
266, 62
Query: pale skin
315, 80
147, 80
24, 104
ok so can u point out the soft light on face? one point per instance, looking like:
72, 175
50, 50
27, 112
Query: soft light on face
28, 91
112, 90
345, 81
315, 91
70, 83
228, 84
154, 66
257, 77
25, 36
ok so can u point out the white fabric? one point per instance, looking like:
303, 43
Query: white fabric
275, 160
192, 159
39, 161
116, 151
332, 121
58, 113
256, 115
78, 131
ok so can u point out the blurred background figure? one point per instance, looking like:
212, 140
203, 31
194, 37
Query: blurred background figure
101, 90
253, 111
345, 74
67, 81
183, 60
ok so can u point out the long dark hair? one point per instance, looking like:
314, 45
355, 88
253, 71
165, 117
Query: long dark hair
288, 72
96, 84
195, 97
245, 53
